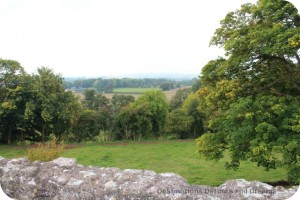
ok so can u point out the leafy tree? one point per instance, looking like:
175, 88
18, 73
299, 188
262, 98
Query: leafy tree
257, 129
179, 122
124, 124
86, 126
33, 106
11, 102
250, 101
178, 99
93, 100
48, 87
190, 107
195, 84
167, 86
134, 122
157, 105
69, 107
212, 72
119, 101
262, 45
49, 109
144, 118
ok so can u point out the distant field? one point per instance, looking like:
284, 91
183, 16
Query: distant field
136, 92
171, 93
177, 156
133, 90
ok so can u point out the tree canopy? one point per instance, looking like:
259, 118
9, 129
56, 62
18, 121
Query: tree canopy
250, 99
33, 106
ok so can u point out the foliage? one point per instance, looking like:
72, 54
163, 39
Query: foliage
144, 118
178, 99
250, 101
46, 151
190, 107
134, 122
259, 41
211, 146
93, 100
196, 84
156, 104
104, 136
11, 73
178, 122
33, 106
86, 126
167, 86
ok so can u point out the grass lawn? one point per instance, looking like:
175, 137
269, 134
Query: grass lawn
133, 90
161, 156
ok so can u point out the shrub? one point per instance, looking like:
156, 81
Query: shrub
24, 143
46, 152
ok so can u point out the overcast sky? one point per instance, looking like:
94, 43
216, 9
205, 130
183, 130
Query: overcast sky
97, 38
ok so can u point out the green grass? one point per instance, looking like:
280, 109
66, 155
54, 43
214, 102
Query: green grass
164, 156
9, 151
133, 90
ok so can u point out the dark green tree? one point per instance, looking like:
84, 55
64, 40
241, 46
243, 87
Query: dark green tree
179, 122
86, 127
11, 102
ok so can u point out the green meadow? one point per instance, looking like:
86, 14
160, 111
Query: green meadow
177, 156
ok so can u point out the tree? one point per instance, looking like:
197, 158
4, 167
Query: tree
195, 84
144, 118
50, 109
191, 108
120, 101
86, 126
156, 103
179, 122
178, 99
11, 102
33, 106
69, 107
213, 72
166, 86
134, 122
48, 88
262, 45
250, 100
93, 100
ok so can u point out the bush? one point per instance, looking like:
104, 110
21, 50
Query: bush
24, 143
294, 174
172, 137
46, 152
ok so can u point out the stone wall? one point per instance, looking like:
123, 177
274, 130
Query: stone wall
64, 179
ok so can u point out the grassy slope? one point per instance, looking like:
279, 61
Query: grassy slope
162, 156
170, 156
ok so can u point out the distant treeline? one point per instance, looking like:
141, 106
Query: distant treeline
107, 85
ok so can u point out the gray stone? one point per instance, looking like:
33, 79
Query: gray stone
65, 162
63, 179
